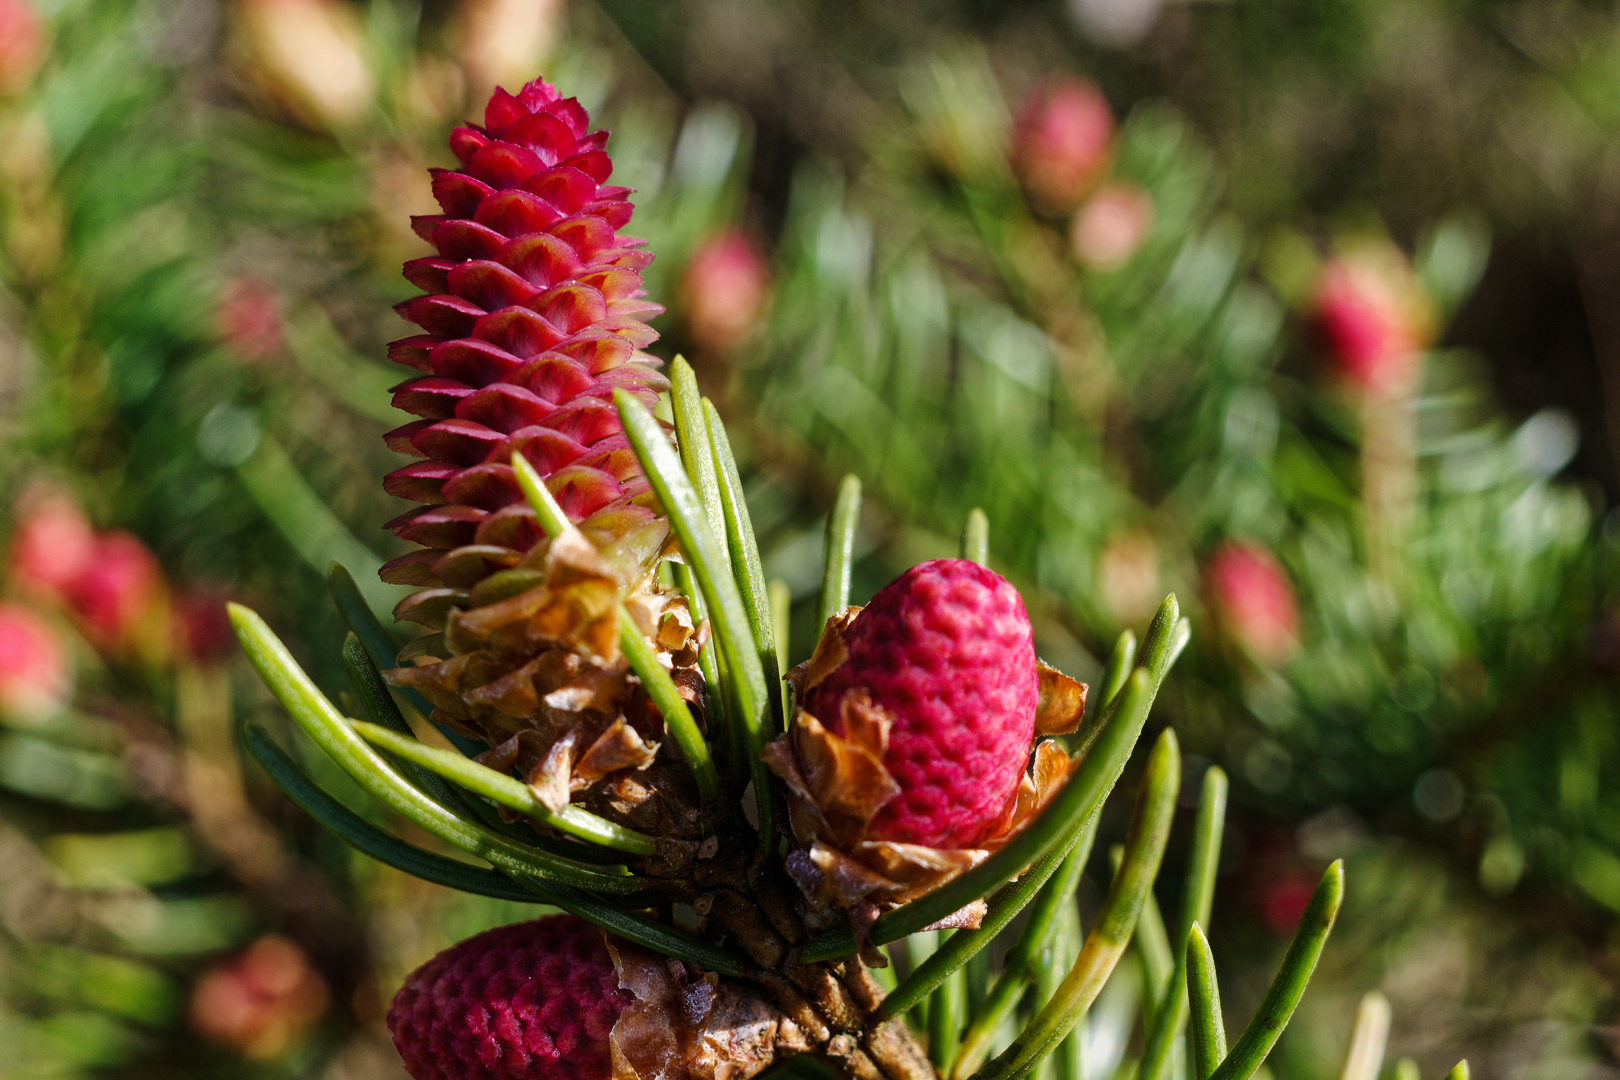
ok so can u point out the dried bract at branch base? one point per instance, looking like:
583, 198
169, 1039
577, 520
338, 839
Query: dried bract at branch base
686, 1024
539, 676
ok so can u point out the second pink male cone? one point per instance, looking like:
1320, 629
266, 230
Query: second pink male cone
946, 649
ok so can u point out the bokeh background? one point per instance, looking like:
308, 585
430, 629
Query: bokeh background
1307, 310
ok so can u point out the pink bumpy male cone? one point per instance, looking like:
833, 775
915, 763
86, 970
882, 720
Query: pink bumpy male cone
533, 1001
946, 649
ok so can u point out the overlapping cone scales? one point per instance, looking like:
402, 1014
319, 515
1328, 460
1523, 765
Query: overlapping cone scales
534, 316
533, 1001
946, 651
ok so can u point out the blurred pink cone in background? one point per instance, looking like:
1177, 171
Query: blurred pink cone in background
261, 1002
1254, 601
53, 545
1062, 143
120, 597
110, 581
1372, 319
724, 289
248, 318
22, 44
34, 673
1111, 226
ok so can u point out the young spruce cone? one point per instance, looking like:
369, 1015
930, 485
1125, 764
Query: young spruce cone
534, 317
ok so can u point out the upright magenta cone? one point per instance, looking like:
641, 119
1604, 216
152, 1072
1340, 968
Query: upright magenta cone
533, 318
534, 315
